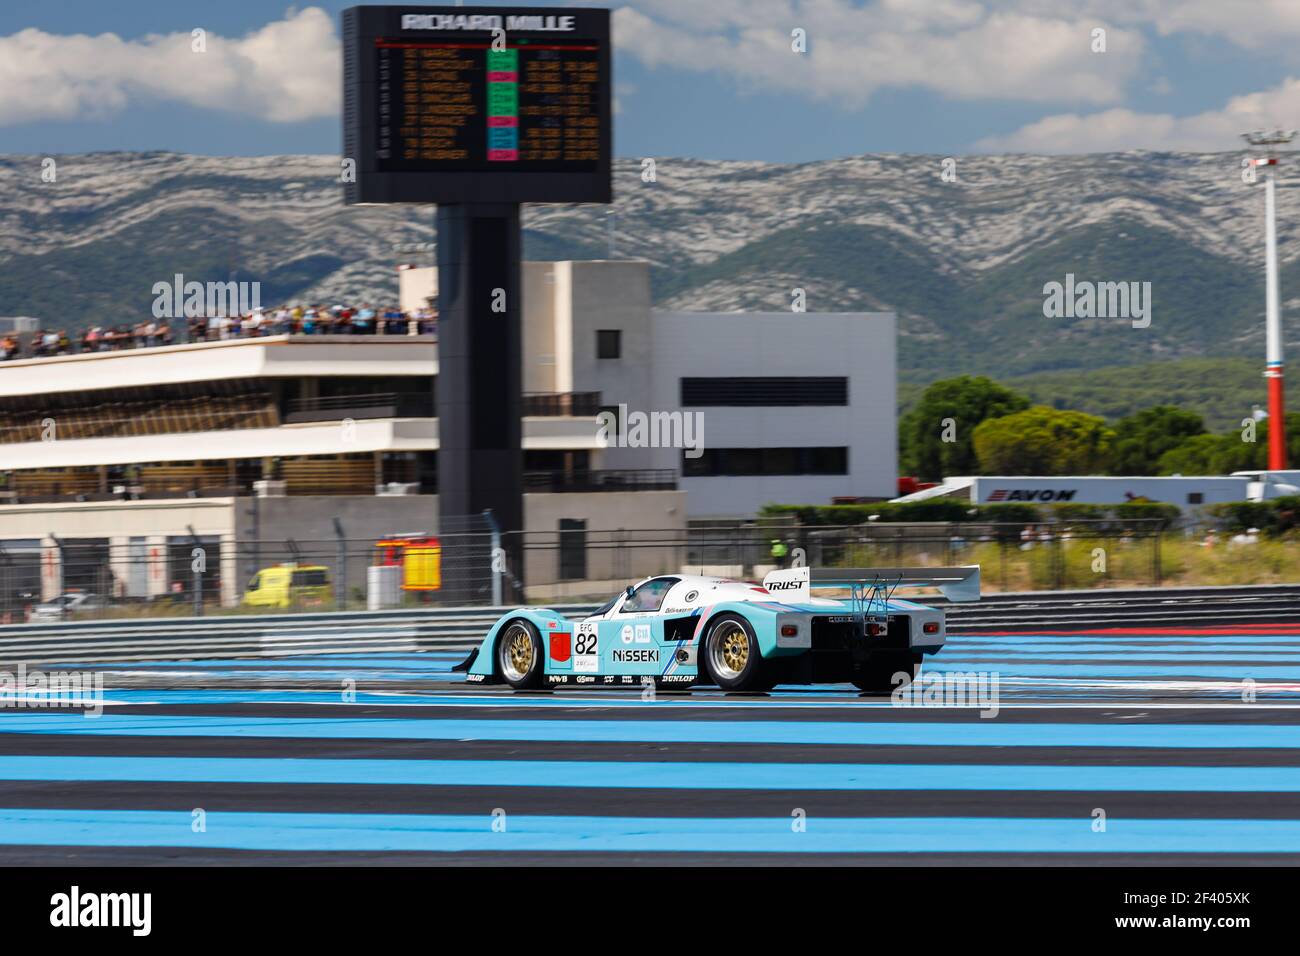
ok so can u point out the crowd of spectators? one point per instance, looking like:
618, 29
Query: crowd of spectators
315, 320
287, 320
97, 338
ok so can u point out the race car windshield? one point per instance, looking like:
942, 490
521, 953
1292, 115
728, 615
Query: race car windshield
649, 596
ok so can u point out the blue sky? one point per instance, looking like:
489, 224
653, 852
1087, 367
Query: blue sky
700, 78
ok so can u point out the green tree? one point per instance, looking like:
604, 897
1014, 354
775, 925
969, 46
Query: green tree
1255, 455
1044, 441
1229, 452
1142, 438
934, 438
1197, 455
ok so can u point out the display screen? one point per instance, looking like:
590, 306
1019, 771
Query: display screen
465, 106
477, 104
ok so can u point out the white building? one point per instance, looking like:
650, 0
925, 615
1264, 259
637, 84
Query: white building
793, 407
133, 455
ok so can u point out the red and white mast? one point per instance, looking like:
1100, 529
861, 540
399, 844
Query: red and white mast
1269, 143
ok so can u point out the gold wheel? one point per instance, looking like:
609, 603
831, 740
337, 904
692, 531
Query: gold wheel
729, 650
518, 654
735, 650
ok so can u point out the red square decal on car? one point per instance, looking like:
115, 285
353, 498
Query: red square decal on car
561, 648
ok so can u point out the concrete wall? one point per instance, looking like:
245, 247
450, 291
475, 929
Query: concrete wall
416, 286
278, 356
310, 517
108, 519
314, 438
540, 345
605, 514
132, 529
308, 521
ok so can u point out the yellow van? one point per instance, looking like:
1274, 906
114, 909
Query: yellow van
289, 585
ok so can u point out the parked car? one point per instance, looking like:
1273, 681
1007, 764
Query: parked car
289, 585
70, 604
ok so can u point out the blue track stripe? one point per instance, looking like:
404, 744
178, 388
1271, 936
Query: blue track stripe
291, 667
432, 661
962, 643
637, 774
1146, 657
1209, 672
1048, 640
392, 832
1004, 664
267, 695
281, 673
828, 695
976, 733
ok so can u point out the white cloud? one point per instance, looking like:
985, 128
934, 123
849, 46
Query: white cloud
1013, 50
286, 71
1257, 24
1121, 129
959, 48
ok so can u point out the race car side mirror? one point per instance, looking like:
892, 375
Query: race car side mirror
627, 591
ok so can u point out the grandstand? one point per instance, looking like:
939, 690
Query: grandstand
107, 453
315, 415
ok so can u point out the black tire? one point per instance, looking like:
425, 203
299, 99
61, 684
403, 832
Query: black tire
729, 641
518, 667
880, 674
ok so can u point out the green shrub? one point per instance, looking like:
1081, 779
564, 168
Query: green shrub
1240, 515
1288, 512
940, 509
1073, 511
1012, 513
936, 509
955, 511
807, 514
1132, 511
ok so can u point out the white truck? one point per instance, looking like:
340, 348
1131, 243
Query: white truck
1185, 492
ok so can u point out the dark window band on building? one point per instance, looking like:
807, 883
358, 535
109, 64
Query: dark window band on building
766, 462
609, 343
766, 390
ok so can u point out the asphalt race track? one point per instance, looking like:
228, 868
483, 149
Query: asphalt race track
1158, 746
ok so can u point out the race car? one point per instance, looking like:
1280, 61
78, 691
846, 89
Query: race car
676, 630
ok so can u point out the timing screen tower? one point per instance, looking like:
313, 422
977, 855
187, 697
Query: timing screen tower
477, 109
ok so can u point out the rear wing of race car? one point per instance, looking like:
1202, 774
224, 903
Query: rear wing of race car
959, 585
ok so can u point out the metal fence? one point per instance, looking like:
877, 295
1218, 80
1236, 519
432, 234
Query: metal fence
587, 565
54, 579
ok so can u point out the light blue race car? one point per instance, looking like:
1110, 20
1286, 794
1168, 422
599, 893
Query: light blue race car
677, 630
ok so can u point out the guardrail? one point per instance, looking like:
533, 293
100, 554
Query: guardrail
1138, 607
460, 628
